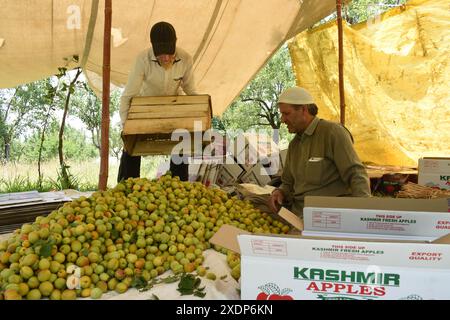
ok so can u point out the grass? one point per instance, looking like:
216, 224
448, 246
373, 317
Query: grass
20, 183
19, 177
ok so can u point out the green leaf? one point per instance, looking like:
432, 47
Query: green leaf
146, 288
171, 279
138, 283
185, 292
114, 234
187, 282
197, 282
133, 238
46, 250
199, 294
223, 277
38, 243
85, 252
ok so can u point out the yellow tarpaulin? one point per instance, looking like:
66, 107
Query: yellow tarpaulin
397, 77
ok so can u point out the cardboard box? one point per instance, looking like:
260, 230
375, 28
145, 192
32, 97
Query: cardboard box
249, 149
194, 170
210, 173
434, 172
229, 174
243, 150
257, 175
308, 268
272, 165
354, 268
382, 218
317, 269
205, 168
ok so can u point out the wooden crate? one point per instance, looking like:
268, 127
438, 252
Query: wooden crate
151, 121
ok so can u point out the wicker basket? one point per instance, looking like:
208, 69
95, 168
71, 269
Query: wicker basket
412, 190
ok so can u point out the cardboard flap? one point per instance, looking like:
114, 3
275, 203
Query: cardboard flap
397, 204
442, 240
377, 217
226, 237
292, 218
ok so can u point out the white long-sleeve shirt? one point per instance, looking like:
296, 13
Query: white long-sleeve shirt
148, 78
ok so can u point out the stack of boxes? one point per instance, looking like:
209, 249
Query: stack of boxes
435, 173
257, 163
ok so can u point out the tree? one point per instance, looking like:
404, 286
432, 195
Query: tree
6, 104
88, 108
219, 124
68, 87
256, 107
17, 111
77, 146
264, 91
361, 10
45, 118
115, 142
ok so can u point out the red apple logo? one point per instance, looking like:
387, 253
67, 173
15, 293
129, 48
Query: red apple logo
271, 291
262, 296
280, 297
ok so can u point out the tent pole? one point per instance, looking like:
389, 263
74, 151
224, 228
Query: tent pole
341, 61
104, 149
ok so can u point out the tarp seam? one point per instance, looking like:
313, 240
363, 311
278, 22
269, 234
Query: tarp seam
90, 32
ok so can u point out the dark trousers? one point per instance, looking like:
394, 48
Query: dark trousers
130, 167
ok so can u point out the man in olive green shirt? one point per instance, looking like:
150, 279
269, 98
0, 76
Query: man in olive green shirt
320, 160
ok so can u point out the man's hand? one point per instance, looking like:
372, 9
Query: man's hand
276, 200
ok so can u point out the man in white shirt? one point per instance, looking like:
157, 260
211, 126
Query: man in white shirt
162, 70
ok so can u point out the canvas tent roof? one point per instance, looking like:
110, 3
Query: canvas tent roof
230, 40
